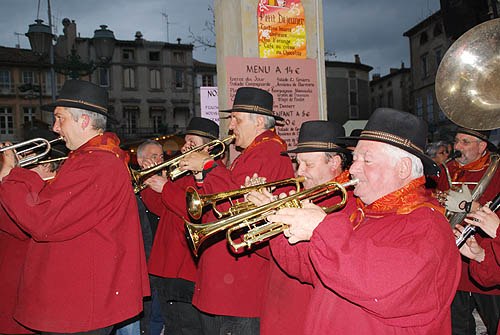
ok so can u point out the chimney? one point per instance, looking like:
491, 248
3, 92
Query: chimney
138, 36
402, 65
376, 76
357, 60
178, 40
393, 70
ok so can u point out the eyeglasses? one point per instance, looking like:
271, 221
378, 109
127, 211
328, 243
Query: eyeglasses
464, 142
156, 156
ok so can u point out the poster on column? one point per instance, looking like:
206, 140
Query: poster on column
292, 82
209, 103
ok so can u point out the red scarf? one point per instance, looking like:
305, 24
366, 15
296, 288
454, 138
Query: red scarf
268, 135
402, 201
478, 165
343, 178
104, 142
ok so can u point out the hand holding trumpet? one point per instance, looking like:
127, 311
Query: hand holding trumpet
9, 160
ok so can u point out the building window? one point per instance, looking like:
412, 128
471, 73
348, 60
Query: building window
352, 74
439, 56
207, 80
423, 38
29, 114
154, 79
441, 115
130, 114
156, 122
128, 55
389, 83
424, 66
438, 29
380, 100
179, 79
6, 121
48, 83
28, 77
390, 99
154, 56
128, 78
179, 57
5, 80
430, 108
104, 77
420, 107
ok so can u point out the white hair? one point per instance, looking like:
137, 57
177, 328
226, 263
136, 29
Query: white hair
142, 147
97, 121
269, 121
417, 168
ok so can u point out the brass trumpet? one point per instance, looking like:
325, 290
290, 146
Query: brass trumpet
36, 143
195, 202
197, 233
172, 165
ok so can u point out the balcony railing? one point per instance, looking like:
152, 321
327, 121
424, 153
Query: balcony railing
145, 132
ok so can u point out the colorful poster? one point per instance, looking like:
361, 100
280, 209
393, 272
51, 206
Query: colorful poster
209, 103
293, 83
282, 29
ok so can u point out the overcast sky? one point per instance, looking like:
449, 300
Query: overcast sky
371, 28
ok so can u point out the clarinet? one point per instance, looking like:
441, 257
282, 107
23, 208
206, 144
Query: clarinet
470, 229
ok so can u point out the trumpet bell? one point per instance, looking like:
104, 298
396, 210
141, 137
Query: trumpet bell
468, 78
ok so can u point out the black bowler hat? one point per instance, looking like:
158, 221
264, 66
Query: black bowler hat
84, 95
203, 127
253, 100
320, 136
402, 130
354, 133
483, 135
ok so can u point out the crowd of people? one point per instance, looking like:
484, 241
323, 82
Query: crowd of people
81, 253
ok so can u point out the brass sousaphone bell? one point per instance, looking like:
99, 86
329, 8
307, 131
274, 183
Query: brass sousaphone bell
468, 78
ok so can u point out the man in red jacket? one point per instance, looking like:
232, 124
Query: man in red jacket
229, 285
172, 262
85, 268
387, 263
321, 157
470, 167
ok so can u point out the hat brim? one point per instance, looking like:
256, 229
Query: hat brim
50, 107
276, 117
490, 145
312, 149
431, 168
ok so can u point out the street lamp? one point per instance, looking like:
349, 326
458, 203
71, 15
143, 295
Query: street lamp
104, 44
40, 37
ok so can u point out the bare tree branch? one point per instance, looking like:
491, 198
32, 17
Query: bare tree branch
202, 41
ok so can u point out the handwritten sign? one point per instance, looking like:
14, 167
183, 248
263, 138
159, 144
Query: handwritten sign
209, 103
282, 29
292, 82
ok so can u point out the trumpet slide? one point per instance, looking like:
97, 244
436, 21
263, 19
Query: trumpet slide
172, 165
197, 233
36, 144
195, 202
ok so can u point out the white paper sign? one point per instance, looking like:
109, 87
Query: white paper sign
209, 103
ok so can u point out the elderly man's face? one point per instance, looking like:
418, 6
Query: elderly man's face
315, 167
471, 147
151, 152
244, 128
376, 171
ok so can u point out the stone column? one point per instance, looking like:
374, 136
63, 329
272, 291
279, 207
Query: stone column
237, 36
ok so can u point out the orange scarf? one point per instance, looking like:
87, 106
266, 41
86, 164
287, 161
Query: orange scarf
105, 142
342, 178
403, 201
478, 165
257, 141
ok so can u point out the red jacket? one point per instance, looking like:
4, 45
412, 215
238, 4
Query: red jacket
466, 284
171, 256
85, 266
286, 299
394, 274
228, 283
13, 246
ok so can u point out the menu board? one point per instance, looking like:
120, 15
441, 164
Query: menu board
292, 82
282, 29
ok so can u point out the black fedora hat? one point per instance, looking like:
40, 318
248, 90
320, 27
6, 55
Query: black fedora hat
354, 133
84, 95
203, 127
400, 129
253, 100
483, 135
320, 135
